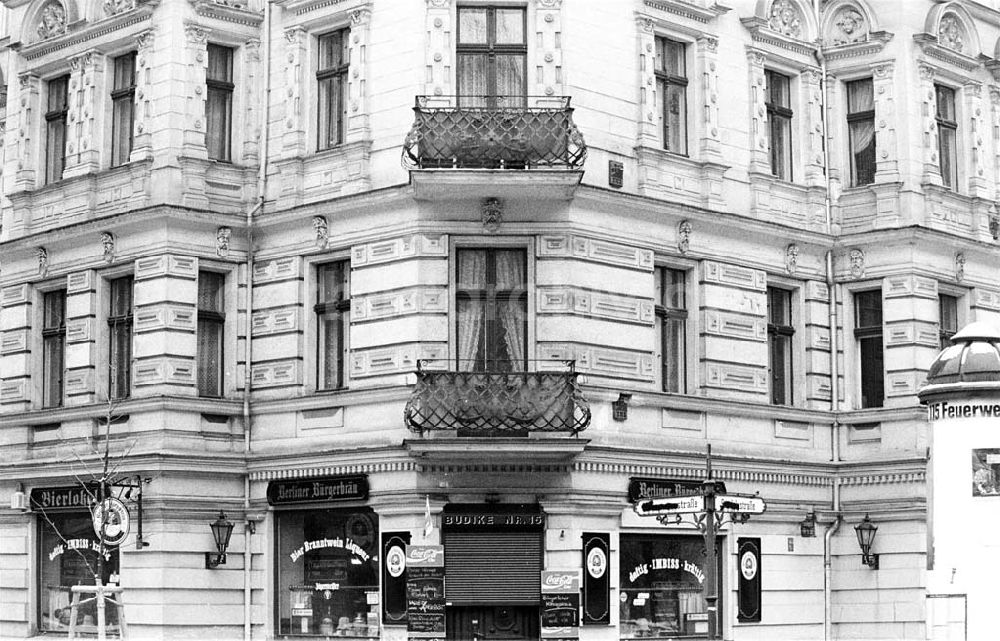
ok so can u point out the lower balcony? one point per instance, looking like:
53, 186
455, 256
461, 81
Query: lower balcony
497, 403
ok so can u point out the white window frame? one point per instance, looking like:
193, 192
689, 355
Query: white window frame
310, 352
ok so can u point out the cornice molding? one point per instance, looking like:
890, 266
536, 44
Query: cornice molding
687, 9
227, 12
142, 13
928, 44
873, 45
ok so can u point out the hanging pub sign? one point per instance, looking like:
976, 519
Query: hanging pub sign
425, 617
327, 489
749, 585
596, 579
111, 521
394, 577
641, 488
560, 604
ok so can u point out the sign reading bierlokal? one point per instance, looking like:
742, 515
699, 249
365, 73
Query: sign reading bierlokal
318, 490
425, 615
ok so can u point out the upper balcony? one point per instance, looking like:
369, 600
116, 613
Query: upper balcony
493, 135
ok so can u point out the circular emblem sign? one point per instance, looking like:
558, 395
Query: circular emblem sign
597, 562
748, 565
395, 561
116, 521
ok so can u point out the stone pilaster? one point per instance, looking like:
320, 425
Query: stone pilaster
817, 343
886, 145
357, 80
760, 161
15, 349
251, 90
293, 140
976, 139
649, 133
440, 45
811, 128
165, 329
929, 134
197, 65
85, 126
548, 58
707, 83
733, 341
142, 141
81, 337
910, 340
29, 130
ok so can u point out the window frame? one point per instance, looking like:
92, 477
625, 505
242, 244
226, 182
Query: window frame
120, 392
776, 113
663, 314
218, 320
336, 76
342, 309
945, 125
860, 117
664, 81
491, 49
122, 96
783, 330
945, 334
56, 119
224, 88
53, 334
862, 335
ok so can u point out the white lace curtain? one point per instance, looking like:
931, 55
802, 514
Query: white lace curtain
508, 305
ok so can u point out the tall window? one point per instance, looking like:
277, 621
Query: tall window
947, 318
123, 105
331, 78
947, 126
779, 340
671, 85
120, 337
219, 107
211, 332
492, 304
492, 53
333, 303
868, 334
53, 345
671, 318
861, 130
55, 128
779, 117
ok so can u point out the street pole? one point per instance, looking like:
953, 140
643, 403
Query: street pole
711, 587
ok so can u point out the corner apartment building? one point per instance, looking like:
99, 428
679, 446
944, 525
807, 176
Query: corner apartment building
333, 266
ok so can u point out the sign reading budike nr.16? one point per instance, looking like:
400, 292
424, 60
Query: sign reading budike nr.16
318, 490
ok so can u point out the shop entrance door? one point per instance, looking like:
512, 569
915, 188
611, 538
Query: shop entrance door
492, 623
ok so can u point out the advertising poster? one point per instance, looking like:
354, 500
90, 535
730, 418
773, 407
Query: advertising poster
425, 617
986, 472
560, 604
749, 586
596, 579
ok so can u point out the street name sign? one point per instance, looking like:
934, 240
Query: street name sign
734, 503
671, 505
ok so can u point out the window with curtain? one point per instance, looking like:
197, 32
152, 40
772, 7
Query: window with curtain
861, 130
492, 310
120, 311
671, 320
779, 341
122, 108
671, 84
57, 106
947, 125
868, 335
53, 346
492, 54
779, 117
219, 103
211, 332
947, 318
331, 80
333, 304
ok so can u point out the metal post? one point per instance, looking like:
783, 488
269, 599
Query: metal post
711, 588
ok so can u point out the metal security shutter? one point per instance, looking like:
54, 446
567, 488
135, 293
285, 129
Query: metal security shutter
502, 568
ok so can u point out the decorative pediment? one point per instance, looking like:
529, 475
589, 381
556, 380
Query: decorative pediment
784, 24
850, 30
693, 10
950, 36
235, 11
931, 48
39, 38
300, 7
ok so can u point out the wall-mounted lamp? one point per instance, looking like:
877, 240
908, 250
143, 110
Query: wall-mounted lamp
866, 536
807, 528
18, 500
222, 529
619, 408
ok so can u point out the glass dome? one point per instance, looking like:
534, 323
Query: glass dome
973, 358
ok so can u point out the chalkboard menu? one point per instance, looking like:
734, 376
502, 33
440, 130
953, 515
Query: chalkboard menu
425, 616
560, 604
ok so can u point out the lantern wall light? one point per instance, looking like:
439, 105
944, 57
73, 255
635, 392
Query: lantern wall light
222, 529
807, 527
866, 536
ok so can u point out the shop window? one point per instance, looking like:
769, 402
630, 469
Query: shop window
492, 304
671, 319
661, 582
492, 54
328, 573
68, 556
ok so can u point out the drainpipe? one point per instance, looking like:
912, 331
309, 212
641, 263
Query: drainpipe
248, 527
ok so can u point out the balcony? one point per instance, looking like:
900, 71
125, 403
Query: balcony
496, 403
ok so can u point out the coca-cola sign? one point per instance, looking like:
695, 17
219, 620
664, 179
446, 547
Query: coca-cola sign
560, 580
424, 556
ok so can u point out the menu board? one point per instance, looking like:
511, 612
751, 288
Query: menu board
560, 604
425, 616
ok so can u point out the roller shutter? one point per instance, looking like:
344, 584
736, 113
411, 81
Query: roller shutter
502, 568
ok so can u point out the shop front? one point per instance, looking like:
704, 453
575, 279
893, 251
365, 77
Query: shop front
327, 574
69, 553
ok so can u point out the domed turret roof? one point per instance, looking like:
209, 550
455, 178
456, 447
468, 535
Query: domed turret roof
974, 357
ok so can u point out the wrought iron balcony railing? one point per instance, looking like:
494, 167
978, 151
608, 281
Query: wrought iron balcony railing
498, 403
493, 132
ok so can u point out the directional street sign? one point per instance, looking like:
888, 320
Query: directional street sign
735, 503
671, 505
